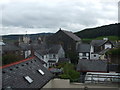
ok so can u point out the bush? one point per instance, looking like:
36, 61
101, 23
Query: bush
9, 58
115, 51
70, 72
64, 76
74, 74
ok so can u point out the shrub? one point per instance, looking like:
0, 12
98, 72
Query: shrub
64, 76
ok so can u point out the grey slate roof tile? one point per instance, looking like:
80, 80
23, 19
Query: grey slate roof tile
100, 42
97, 42
70, 34
13, 76
51, 49
63, 60
9, 47
92, 65
84, 48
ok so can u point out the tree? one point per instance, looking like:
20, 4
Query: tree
9, 58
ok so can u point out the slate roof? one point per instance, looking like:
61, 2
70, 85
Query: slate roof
41, 61
14, 74
25, 46
104, 51
70, 34
84, 48
92, 66
36, 46
41, 52
9, 47
99, 42
54, 48
114, 67
63, 60
51, 49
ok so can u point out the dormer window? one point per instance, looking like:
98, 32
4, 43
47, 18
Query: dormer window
29, 80
41, 72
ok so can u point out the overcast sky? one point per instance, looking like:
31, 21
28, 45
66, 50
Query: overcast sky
36, 16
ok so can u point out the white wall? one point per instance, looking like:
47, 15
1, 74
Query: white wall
92, 49
61, 53
108, 46
81, 56
94, 56
27, 53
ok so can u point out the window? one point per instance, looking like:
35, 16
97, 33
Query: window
50, 56
54, 56
41, 72
28, 79
87, 54
80, 54
94, 55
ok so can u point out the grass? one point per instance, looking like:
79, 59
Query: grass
112, 38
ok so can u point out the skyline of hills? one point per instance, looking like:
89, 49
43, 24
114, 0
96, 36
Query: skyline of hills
106, 30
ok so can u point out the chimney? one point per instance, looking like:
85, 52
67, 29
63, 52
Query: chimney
60, 29
105, 39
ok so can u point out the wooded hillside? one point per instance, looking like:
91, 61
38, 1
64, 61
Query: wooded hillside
107, 30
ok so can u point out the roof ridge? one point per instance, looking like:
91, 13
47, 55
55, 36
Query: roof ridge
16, 62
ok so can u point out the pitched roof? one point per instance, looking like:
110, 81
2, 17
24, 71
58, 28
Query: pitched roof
92, 66
9, 47
70, 34
84, 48
51, 49
104, 51
99, 42
25, 46
25, 74
54, 48
63, 60
114, 67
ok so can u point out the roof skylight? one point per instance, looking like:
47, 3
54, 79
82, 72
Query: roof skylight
41, 72
28, 79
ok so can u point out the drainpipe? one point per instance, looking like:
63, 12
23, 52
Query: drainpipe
82, 77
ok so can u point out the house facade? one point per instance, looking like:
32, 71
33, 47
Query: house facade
51, 54
95, 50
99, 45
84, 51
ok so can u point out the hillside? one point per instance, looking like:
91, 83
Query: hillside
107, 30
16, 37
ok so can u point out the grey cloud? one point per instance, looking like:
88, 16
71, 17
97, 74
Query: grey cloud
61, 14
